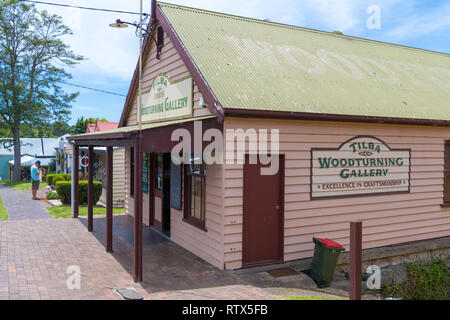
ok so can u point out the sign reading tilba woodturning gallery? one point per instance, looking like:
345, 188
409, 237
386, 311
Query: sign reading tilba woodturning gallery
361, 166
167, 100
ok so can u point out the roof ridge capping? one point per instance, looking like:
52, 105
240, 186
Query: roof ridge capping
293, 27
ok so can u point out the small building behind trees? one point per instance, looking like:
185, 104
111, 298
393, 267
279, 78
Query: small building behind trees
36, 148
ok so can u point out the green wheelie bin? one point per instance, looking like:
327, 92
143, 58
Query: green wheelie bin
326, 254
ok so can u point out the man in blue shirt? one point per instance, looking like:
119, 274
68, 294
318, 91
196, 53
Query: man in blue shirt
35, 178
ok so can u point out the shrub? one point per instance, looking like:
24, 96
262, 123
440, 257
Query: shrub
50, 179
59, 177
429, 280
52, 196
63, 188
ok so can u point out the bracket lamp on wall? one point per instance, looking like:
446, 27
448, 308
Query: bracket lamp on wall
119, 24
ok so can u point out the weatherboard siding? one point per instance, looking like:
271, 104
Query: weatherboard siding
387, 219
4, 163
129, 201
158, 209
207, 245
118, 176
146, 209
172, 65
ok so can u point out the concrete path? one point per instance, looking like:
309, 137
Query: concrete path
298, 284
20, 206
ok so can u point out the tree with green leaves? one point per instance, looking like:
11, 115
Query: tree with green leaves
33, 59
53, 130
60, 128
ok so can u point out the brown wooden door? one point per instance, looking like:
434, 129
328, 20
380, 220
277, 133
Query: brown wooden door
151, 187
158, 176
161, 198
263, 215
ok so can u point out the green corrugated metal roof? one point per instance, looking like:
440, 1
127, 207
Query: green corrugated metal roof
253, 64
145, 126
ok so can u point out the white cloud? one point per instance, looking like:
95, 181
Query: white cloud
337, 14
109, 52
112, 53
421, 25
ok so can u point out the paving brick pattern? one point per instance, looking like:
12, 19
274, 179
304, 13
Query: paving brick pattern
169, 271
36, 250
35, 254
20, 206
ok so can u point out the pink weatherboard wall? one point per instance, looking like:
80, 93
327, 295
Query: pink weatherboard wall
171, 65
387, 219
207, 245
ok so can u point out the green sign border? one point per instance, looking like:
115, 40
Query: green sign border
357, 194
171, 83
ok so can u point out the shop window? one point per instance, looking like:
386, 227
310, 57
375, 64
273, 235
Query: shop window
159, 172
195, 187
447, 173
132, 172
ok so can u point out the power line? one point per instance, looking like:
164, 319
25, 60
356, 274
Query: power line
93, 89
85, 8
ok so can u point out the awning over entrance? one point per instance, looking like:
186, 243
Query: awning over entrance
152, 138
126, 132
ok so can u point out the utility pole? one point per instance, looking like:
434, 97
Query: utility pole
139, 109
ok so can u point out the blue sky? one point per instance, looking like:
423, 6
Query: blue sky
112, 53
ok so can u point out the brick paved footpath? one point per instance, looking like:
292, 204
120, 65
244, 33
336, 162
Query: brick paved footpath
20, 206
35, 252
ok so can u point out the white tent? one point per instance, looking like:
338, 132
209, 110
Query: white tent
28, 161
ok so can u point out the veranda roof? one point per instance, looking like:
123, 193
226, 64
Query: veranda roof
107, 133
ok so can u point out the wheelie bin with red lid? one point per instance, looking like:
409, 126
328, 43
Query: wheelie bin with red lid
326, 254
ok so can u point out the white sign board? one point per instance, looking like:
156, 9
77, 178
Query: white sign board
361, 166
167, 100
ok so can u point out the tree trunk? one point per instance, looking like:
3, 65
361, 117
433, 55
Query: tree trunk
17, 168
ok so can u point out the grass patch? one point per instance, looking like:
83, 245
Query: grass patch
21, 185
66, 211
18, 185
428, 280
3, 213
307, 298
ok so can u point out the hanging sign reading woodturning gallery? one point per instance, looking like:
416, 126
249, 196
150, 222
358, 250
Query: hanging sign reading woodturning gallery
361, 166
167, 100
